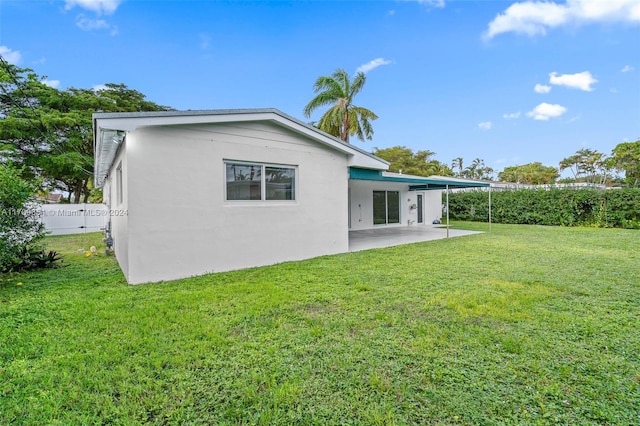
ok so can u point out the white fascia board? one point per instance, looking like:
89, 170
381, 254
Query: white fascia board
129, 122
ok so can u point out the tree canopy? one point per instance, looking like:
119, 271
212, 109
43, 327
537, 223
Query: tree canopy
587, 165
626, 157
476, 170
48, 132
343, 119
420, 163
532, 174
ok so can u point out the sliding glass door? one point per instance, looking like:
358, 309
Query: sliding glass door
386, 207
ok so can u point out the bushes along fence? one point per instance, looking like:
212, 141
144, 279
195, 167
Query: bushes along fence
619, 208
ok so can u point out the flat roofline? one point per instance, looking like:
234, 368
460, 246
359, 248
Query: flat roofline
415, 182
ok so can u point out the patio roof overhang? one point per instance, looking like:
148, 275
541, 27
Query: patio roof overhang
416, 183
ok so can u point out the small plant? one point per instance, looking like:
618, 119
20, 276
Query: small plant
39, 259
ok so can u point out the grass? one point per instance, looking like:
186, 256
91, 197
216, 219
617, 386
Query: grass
523, 325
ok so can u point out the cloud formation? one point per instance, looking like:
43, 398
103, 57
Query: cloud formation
88, 24
582, 80
627, 68
485, 125
545, 111
431, 3
511, 115
365, 68
535, 17
541, 88
11, 56
100, 7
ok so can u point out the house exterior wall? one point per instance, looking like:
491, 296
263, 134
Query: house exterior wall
116, 198
432, 206
179, 223
361, 207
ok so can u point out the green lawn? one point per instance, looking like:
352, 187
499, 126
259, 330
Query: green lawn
526, 324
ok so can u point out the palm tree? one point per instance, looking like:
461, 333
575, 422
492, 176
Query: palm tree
342, 119
456, 163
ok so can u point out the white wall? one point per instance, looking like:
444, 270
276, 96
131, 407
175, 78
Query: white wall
120, 210
65, 219
179, 223
361, 192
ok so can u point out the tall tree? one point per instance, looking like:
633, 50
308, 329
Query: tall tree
343, 119
420, 163
626, 157
477, 170
48, 132
587, 165
458, 163
532, 173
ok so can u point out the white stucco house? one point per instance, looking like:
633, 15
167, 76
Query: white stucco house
194, 192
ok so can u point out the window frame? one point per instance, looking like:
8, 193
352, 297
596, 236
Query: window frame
263, 182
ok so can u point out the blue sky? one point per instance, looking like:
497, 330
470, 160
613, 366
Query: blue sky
509, 82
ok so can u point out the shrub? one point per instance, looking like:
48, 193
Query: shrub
20, 227
619, 208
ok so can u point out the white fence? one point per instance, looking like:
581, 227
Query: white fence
64, 219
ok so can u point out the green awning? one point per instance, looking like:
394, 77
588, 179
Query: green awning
416, 183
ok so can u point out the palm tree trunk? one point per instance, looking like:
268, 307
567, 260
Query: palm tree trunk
345, 127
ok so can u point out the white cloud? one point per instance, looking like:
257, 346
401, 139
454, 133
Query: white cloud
11, 56
582, 80
100, 7
613, 90
545, 111
99, 87
535, 17
627, 68
511, 115
485, 125
541, 88
88, 24
431, 3
372, 64
51, 83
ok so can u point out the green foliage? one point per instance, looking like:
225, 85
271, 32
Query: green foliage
626, 157
20, 227
342, 119
50, 132
588, 165
476, 170
532, 173
616, 208
36, 258
419, 163
524, 325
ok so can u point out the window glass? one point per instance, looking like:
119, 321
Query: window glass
386, 207
379, 208
244, 181
279, 183
393, 207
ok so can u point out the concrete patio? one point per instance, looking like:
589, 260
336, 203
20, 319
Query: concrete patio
388, 237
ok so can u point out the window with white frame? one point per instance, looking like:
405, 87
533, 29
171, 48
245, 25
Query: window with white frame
259, 182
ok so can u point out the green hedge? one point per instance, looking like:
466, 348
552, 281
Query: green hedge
614, 208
